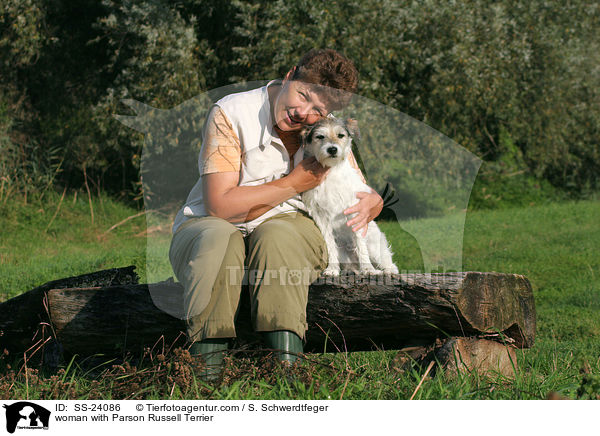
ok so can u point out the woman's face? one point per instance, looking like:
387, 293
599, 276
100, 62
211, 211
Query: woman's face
297, 105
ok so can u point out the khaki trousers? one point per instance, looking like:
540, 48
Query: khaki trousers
278, 261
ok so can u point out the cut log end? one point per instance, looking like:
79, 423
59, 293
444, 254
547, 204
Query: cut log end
499, 303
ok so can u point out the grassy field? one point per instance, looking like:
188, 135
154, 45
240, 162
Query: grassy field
555, 246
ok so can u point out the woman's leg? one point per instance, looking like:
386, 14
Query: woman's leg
286, 253
207, 255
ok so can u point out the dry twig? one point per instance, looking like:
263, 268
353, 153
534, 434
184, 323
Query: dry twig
423, 378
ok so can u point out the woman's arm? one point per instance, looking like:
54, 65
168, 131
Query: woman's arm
223, 197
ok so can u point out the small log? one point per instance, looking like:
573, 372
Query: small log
477, 355
467, 355
351, 313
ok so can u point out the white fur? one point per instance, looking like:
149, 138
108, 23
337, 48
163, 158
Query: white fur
326, 203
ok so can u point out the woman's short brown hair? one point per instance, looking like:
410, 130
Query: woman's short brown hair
335, 74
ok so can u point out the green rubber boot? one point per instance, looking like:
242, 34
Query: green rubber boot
288, 344
213, 352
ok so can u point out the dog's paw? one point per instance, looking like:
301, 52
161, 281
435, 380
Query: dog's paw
393, 269
369, 270
331, 272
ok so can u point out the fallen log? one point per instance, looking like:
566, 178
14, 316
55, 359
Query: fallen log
24, 319
419, 308
350, 313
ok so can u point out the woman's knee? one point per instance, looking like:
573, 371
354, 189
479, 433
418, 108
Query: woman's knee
288, 241
273, 233
209, 233
204, 239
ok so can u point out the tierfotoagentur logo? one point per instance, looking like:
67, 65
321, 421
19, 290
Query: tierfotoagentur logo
26, 416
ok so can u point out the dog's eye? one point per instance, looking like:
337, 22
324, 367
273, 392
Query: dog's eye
320, 137
341, 135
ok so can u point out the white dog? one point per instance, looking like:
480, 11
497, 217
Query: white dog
330, 141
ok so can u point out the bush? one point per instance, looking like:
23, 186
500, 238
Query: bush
153, 56
473, 70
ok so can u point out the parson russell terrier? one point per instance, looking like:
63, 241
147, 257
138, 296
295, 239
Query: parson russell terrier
330, 141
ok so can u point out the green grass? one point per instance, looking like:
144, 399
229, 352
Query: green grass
34, 248
555, 246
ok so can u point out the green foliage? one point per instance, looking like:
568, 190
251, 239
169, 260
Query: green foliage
472, 70
21, 33
93, 56
508, 182
154, 57
6, 146
23, 167
477, 71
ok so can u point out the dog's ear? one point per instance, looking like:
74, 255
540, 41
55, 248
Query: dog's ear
305, 134
352, 127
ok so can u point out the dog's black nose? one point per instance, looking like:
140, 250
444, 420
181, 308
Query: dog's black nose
332, 151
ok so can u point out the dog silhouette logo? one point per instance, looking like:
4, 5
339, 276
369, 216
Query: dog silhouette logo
26, 415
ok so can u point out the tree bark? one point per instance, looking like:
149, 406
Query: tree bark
350, 313
24, 319
420, 307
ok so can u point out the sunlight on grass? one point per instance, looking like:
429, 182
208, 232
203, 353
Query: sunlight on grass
555, 246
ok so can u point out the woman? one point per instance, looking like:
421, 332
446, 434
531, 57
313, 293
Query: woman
244, 215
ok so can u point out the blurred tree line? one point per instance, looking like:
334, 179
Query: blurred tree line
516, 82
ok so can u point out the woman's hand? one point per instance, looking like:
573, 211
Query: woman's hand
369, 206
307, 174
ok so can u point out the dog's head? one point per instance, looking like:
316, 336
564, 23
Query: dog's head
329, 140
